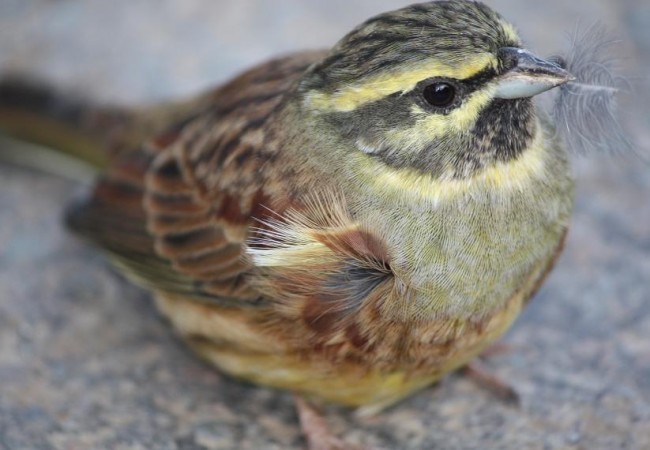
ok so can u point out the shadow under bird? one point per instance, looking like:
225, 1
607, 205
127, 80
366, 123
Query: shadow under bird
350, 224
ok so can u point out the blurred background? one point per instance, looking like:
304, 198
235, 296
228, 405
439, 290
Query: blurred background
85, 361
143, 49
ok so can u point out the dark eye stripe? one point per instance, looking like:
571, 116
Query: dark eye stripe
480, 78
463, 88
470, 85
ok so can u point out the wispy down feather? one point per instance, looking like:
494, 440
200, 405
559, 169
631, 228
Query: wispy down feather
585, 110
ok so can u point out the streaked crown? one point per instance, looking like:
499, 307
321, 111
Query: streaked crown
463, 36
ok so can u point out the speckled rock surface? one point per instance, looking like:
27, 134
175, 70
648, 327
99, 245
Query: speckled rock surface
87, 363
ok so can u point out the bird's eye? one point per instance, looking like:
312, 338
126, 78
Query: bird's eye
440, 95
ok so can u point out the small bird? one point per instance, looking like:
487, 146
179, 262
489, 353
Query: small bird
350, 225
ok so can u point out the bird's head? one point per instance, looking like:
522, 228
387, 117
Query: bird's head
441, 87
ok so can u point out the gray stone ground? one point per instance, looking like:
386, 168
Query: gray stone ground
85, 361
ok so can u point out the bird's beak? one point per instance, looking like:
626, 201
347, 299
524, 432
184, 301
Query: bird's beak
529, 76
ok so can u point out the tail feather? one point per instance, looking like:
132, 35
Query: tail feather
31, 96
36, 113
81, 129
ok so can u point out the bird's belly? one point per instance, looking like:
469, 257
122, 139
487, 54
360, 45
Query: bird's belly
232, 341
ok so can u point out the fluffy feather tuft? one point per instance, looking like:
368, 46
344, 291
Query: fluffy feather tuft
585, 110
318, 255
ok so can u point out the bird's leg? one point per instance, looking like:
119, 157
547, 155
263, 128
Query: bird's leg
482, 375
315, 428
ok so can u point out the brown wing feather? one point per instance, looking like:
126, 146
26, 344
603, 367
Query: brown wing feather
176, 212
327, 274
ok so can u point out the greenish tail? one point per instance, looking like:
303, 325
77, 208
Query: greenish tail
69, 135
62, 129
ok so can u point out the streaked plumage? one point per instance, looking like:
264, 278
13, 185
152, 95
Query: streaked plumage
316, 225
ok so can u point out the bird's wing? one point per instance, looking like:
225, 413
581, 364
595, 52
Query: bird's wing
194, 212
175, 213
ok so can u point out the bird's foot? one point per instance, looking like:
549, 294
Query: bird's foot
484, 377
315, 429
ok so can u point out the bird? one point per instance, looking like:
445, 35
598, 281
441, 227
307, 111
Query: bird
349, 224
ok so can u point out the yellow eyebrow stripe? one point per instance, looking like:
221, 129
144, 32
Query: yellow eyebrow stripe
382, 85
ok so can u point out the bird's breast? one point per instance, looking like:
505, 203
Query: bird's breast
466, 246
